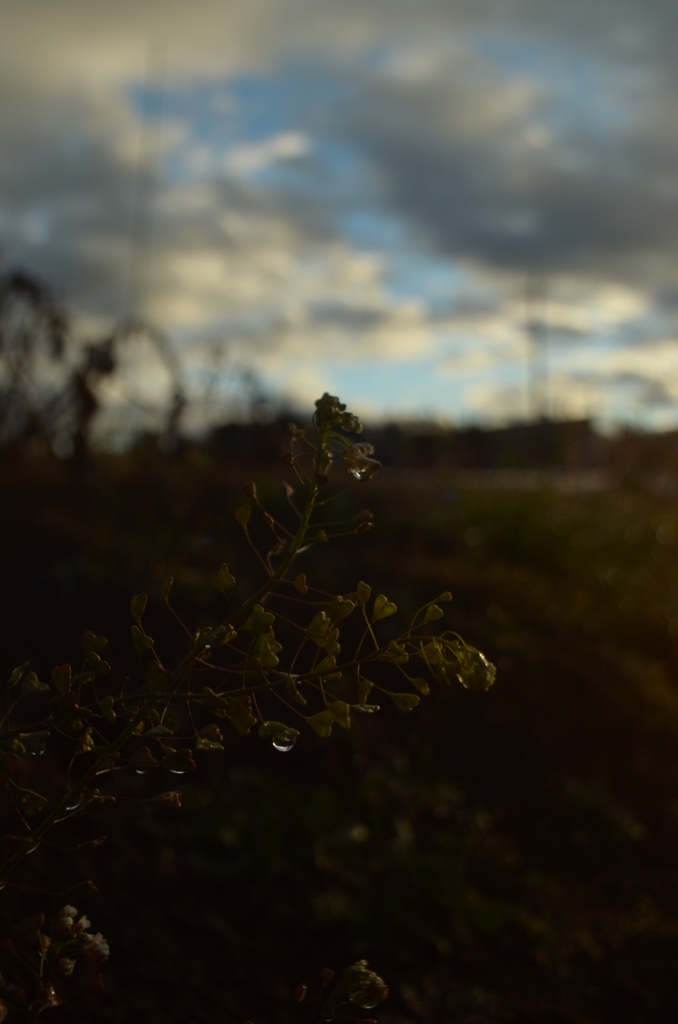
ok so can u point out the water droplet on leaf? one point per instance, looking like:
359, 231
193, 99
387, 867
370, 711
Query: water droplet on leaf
283, 742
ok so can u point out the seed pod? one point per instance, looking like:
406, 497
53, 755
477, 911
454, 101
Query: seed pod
322, 722
32, 803
364, 688
340, 608
242, 515
203, 743
295, 693
475, 672
226, 580
90, 642
106, 708
137, 606
158, 679
341, 713
383, 608
172, 797
404, 701
7, 766
17, 674
211, 732
318, 626
97, 666
141, 641
61, 677
31, 684
433, 612
364, 516
179, 761
142, 760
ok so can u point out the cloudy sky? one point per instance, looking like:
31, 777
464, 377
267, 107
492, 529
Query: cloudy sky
370, 197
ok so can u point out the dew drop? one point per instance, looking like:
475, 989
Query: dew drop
283, 743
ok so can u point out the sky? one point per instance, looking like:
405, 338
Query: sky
376, 198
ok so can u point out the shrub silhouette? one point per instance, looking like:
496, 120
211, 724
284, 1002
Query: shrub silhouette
276, 664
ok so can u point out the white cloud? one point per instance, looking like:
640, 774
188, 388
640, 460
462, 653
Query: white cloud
559, 162
256, 156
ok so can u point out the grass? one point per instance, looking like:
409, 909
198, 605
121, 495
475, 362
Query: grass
500, 856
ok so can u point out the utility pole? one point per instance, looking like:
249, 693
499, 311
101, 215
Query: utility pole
538, 404
146, 181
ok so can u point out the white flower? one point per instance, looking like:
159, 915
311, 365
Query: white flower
82, 925
67, 915
94, 947
66, 966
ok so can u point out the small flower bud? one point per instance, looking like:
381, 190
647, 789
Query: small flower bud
66, 966
300, 992
67, 911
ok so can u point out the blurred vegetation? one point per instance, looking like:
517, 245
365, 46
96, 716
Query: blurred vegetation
505, 856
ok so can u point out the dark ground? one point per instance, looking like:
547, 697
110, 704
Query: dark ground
509, 856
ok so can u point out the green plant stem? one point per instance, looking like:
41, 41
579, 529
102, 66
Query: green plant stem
80, 785
177, 675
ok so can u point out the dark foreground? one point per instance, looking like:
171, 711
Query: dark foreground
510, 856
